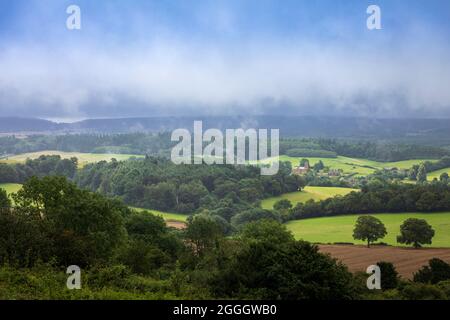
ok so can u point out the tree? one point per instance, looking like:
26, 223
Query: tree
389, 275
203, 233
427, 202
5, 202
416, 232
318, 166
422, 173
370, 229
436, 271
84, 227
283, 204
412, 173
444, 177
304, 162
266, 230
270, 264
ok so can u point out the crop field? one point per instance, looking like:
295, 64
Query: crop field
83, 158
340, 228
406, 260
359, 167
437, 174
314, 193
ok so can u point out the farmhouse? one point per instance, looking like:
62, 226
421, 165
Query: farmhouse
301, 170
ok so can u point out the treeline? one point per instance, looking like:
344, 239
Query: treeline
438, 165
132, 143
390, 198
161, 144
157, 183
299, 152
365, 149
42, 166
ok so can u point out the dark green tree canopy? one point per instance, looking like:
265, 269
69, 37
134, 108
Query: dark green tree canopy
370, 229
416, 232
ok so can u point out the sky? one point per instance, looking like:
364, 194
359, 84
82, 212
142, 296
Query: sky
224, 57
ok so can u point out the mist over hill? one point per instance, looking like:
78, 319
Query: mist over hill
432, 131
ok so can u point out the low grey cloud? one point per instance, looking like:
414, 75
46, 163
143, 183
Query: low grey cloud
178, 78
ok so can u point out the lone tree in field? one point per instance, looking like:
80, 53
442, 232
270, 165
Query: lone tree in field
416, 232
370, 229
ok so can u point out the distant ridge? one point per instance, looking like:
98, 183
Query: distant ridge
17, 124
311, 126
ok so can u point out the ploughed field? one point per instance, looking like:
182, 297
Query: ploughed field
406, 260
308, 193
83, 158
339, 229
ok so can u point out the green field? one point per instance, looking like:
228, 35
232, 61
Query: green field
10, 187
352, 165
340, 229
83, 158
437, 174
165, 215
314, 193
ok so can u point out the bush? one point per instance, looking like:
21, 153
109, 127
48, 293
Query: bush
420, 291
389, 275
436, 271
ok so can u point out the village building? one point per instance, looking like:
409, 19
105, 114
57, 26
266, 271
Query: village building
301, 170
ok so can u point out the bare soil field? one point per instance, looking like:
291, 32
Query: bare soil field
406, 260
176, 224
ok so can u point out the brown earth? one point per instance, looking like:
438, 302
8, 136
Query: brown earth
406, 260
176, 224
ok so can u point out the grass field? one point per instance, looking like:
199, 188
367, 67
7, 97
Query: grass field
10, 187
83, 158
437, 174
352, 165
166, 215
315, 193
340, 229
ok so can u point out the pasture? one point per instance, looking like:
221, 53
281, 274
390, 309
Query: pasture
437, 174
165, 215
83, 158
340, 228
360, 167
10, 187
314, 193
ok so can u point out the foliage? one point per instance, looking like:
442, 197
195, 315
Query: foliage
389, 275
416, 232
43, 166
369, 229
5, 202
379, 198
269, 264
436, 271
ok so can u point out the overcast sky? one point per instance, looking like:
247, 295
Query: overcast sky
195, 57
